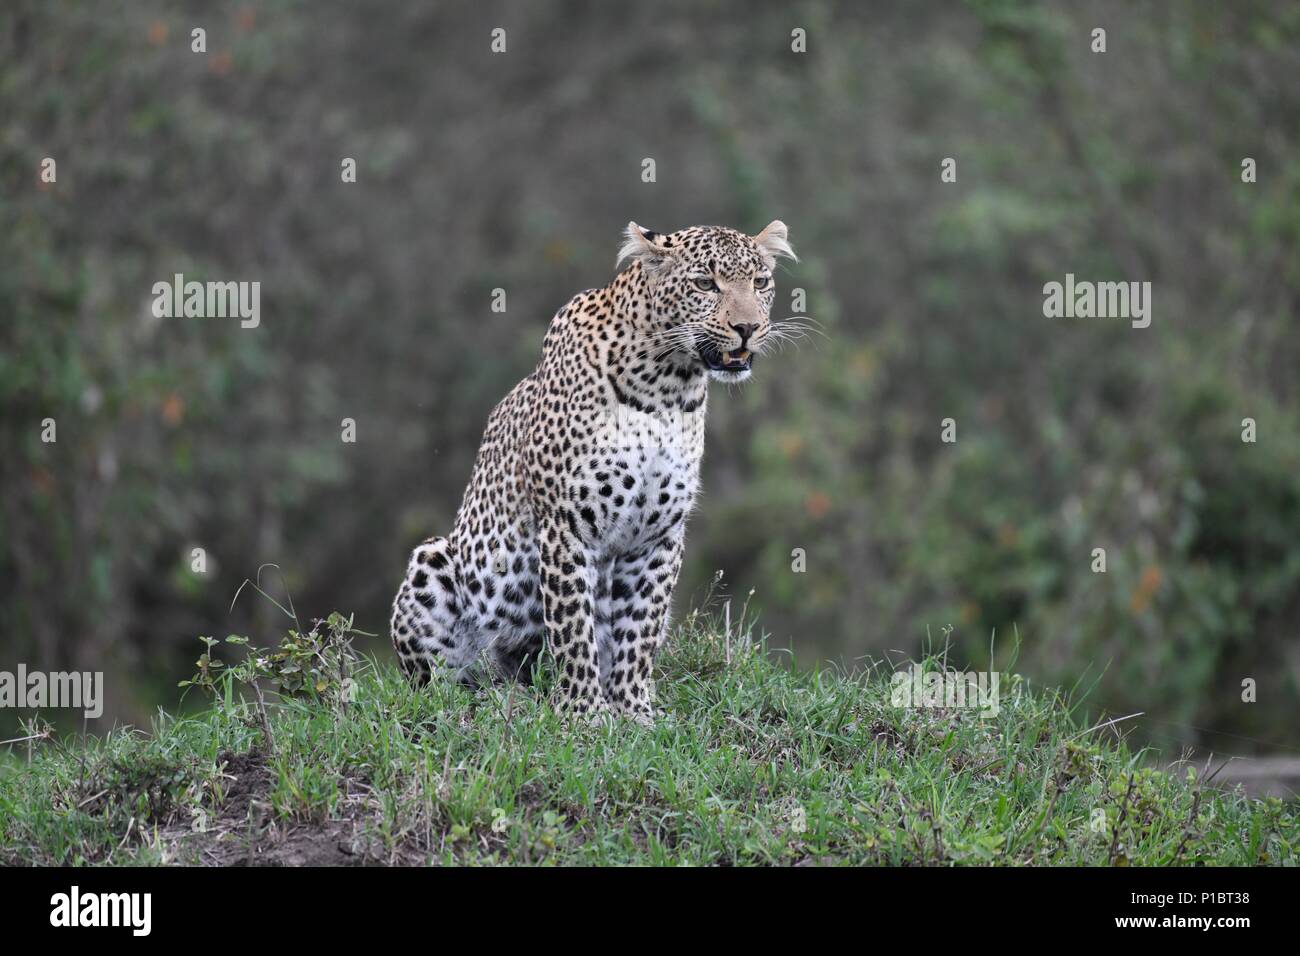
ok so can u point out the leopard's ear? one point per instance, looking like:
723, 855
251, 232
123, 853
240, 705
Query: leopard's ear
774, 243
645, 246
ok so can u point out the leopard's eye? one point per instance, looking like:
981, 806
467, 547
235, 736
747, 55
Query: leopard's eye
706, 285
762, 282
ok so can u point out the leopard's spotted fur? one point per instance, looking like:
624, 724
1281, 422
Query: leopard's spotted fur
570, 532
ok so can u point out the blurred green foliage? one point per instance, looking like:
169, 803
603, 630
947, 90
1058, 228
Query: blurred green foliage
478, 171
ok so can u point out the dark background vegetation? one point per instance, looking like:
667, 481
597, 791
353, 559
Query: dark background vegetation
518, 171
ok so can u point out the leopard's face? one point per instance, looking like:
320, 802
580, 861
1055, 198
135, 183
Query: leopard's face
711, 292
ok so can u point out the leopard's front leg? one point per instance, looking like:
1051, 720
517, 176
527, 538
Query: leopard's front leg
568, 583
641, 590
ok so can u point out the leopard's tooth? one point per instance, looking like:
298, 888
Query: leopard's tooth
726, 356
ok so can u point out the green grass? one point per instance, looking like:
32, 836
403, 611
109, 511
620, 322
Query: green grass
753, 763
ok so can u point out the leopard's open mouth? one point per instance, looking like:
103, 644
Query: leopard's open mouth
741, 360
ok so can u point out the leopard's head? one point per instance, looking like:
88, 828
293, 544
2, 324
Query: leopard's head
710, 292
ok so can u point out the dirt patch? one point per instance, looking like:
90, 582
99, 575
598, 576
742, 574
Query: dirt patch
328, 844
883, 733
246, 779
242, 829
241, 832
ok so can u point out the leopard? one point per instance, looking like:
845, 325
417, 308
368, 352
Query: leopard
569, 537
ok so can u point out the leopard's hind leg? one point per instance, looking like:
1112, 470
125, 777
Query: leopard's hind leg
426, 613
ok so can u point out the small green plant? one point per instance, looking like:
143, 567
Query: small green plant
316, 663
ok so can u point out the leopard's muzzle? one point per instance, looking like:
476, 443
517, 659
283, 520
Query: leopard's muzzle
738, 360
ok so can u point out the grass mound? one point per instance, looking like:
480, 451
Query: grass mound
752, 763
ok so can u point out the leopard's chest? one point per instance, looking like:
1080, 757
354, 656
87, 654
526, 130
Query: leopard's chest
638, 484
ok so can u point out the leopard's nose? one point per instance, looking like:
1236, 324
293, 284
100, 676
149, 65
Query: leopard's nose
746, 329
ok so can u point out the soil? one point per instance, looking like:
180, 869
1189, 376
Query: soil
239, 835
